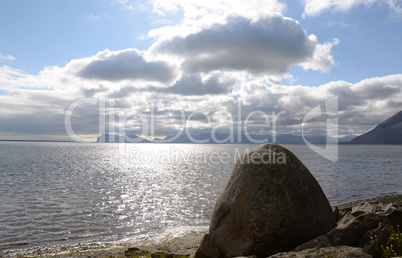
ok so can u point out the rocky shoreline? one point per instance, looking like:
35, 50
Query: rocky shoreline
186, 243
361, 227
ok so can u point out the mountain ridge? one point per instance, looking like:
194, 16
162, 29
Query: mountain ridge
387, 132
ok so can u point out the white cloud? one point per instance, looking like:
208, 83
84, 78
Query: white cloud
395, 6
199, 15
358, 97
9, 77
126, 4
322, 58
315, 7
93, 18
194, 9
267, 46
362, 105
8, 57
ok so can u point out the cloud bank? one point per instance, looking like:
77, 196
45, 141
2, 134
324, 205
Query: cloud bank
40, 112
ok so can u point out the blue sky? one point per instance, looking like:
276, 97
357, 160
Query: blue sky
61, 50
49, 33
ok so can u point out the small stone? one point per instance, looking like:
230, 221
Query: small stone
132, 251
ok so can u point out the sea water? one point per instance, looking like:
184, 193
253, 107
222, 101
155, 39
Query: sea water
66, 193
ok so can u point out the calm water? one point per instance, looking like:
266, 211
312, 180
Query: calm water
62, 193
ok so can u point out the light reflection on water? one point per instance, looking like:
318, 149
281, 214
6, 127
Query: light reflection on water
55, 193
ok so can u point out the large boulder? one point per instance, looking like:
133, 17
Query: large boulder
207, 248
271, 204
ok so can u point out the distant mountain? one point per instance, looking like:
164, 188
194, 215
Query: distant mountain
115, 138
206, 137
219, 138
189, 136
347, 139
388, 132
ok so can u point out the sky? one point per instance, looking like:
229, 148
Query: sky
195, 64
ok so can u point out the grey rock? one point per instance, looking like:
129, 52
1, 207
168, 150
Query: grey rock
380, 234
346, 220
335, 252
363, 208
368, 244
318, 242
343, 212
271, 203
351, 230
387, 208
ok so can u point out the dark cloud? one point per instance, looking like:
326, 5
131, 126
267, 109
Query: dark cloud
128, 64
268, 46
193, 85
188, 85
92, 92
377, 88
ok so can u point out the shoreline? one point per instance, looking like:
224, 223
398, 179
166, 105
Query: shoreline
170, 242
385, 199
